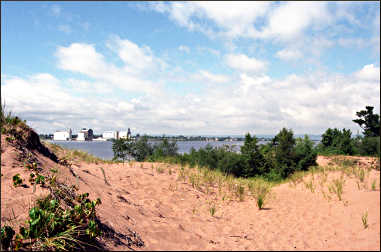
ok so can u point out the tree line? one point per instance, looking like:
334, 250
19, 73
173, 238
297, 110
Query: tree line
276, 160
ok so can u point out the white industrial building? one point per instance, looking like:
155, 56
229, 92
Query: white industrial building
85, 135
125, 134
62, 135
110, 135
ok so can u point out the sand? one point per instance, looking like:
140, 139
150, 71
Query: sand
169, 214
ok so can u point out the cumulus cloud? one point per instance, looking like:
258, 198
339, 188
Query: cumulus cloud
243, 63
217, 78
253, 102
83, 58
369, 72
289, 54
247, 19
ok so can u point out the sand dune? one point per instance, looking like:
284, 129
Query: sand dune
169, 214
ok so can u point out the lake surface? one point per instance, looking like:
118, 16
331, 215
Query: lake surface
103, 149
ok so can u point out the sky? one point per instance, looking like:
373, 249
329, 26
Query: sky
190, 68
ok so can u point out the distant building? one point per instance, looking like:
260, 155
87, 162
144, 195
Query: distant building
110, 135
81, 136
85, 135
125, 134
62, 135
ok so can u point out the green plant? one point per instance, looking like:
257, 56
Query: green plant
260, 202
7, 234
212, 209
364, 219
159, 169
104, 176
374, 185
182, 173
337, 187
310, 185
17, 181
261, 191
240, 192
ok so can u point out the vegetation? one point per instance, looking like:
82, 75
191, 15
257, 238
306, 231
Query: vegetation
61, 220
364, 219
369, 122
335, 141
17, 181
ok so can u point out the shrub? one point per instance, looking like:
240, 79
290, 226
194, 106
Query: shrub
7, 234
165, 149
367, 146
305, 153
255, 161
17, 181
335, 141
61, 229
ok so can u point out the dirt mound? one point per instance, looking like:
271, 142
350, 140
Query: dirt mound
21, 150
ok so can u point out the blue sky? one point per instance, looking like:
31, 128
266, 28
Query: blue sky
190, 67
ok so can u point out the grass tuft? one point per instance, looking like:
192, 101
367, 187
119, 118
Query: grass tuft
364, 219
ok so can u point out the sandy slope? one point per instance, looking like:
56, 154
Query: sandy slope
169, 214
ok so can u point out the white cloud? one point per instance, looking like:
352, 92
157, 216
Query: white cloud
84, 59
281, 21
291, 18
65, 28
369, 72
136, 58
243, 63
184, 48
234, 18
289, 54
217, 78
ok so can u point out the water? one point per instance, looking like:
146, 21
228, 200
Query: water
103, 149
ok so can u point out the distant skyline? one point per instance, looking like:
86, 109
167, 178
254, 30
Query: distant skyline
190, 68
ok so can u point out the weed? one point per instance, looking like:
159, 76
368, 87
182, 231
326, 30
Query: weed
261, 191
159, 169
182, 174
296, 178
358, 185
17, 181
240, 192
337, 187
260, 202
54, 170
104, 176
212, 209
361, 175
374, 185
7, 234
364, 219
310, 185
36, 179
170, 171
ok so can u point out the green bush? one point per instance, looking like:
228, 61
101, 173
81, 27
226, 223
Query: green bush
335, 141
367, 146
254, 159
